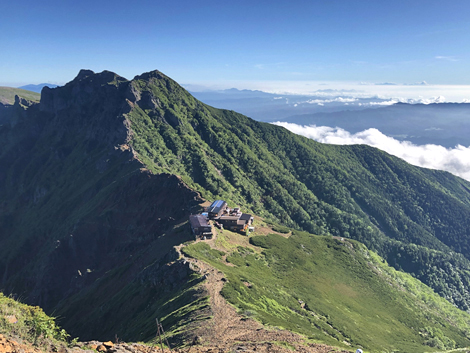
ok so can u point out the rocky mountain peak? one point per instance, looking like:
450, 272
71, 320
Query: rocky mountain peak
104, 77
92, 103
83, 73
151, 74
19, 101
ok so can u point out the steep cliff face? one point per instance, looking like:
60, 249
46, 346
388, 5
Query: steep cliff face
76, 203
91, 105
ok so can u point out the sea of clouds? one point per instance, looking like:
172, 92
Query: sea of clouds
373, 101
420, 92
454, 160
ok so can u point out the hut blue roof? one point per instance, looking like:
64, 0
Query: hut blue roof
216, 206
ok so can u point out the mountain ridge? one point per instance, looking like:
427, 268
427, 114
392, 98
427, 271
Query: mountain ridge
436, 123
7, 95
101, 175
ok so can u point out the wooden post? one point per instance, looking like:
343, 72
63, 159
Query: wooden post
159, 334
164, 337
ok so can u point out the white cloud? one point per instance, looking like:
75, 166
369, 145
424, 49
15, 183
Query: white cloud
368, 90
422, 83
419, 100
337, 99
454, 160
347, 100
384, 103
440, 99
448, 58
336, 91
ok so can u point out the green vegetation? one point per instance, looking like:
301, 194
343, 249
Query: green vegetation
82, 218
130, 312
336, 292
417, 219
29, 324
278, 228
7, 95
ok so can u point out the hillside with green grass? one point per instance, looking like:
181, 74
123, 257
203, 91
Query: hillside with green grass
335, 291
415, 218
99, 178
30, 325
7, 95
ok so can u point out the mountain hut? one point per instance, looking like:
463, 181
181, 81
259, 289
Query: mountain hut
239, 223
200, 227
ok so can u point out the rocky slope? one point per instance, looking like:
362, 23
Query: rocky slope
11, 346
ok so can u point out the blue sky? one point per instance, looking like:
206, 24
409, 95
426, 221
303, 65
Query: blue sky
244, 41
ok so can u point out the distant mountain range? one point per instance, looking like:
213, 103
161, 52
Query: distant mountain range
39, 87
445, 124
99, 178
270, 107
7, 95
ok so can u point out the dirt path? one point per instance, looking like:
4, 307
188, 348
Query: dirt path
230, 331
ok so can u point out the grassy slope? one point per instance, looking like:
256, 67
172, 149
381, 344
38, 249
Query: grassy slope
350, 295
129, 311
29, 324
7, 95
397, 209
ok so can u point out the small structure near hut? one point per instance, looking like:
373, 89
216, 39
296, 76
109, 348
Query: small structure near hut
200, 227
